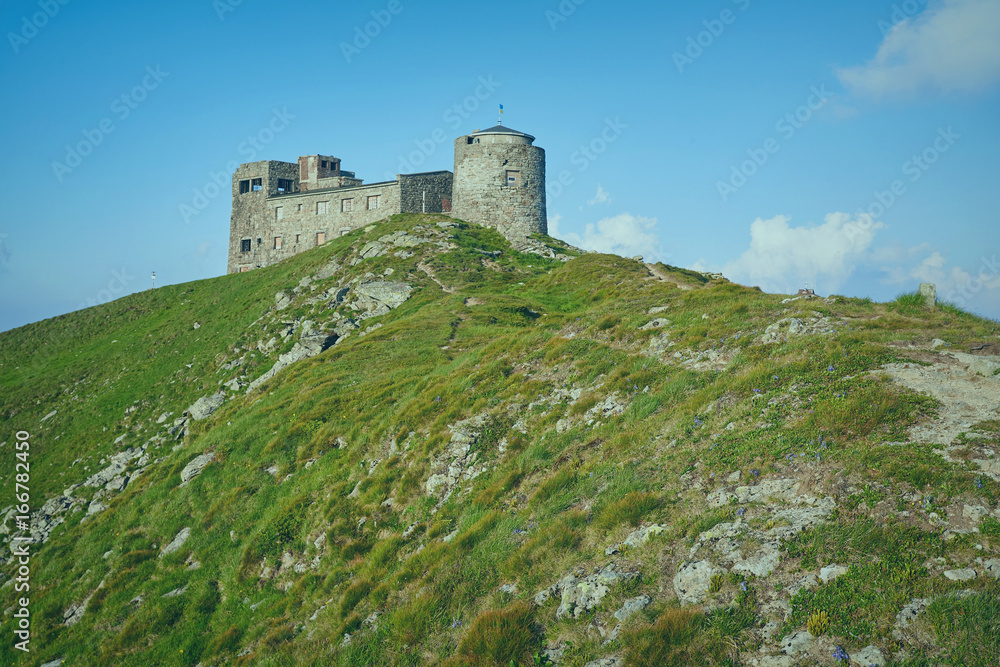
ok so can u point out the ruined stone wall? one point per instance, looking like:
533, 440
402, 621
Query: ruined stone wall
249, 210
436, 184
481, 193
302, 221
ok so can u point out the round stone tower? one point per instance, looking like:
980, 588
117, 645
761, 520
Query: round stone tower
500, 182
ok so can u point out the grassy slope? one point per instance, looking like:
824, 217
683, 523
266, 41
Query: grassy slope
551, 503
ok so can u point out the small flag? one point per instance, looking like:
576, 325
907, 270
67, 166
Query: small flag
501, 108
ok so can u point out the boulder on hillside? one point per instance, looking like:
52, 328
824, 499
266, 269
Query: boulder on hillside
206, 405
195, 467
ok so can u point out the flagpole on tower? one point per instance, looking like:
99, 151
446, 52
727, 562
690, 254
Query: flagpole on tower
500, 121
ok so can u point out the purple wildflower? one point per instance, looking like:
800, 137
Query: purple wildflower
840, 655
743, 586
741, 511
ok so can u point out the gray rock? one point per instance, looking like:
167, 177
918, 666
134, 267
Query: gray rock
613, 661
807, 582
657, 323
963, 574
831, 572
206, 405
692, 581
117, 483
509, 589
372, 249
75, 612
282, 300
909, 614
776, 661
54, 663
580, 594
641, 536
381, 296
176, 592
869, 655
178, 541
762, 563
631, 606
95, 507
797, 643
992, 567
195, 467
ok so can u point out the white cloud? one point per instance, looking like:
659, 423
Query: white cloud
783, 259
624, 234
602, 197
953, 46
977, 290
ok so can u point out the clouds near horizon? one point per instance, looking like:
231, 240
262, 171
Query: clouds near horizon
783, 259
953, 46
623, 234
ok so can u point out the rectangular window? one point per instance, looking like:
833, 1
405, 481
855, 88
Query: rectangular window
513, 178
322, 207
320, 238
279, 213
257, 184
277, 243
373, 202
300, 207
245, 245
298, 238
324, 164
244, 186
284, 185
244, 269
346, 205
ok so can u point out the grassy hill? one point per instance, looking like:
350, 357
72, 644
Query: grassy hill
471, 455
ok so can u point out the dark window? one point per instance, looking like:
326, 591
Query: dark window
244, 187
284, 185
324, 164
245, 245
257, 184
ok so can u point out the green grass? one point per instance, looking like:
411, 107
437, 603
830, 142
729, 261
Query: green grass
279, 542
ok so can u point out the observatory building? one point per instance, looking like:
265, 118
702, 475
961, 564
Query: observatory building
282, 208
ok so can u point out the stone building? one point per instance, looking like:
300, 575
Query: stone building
282, 208
500, 181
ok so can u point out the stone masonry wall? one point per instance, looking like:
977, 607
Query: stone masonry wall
481, 194
302, 220
250, 209
436, 184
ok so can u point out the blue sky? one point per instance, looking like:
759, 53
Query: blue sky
851, 146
